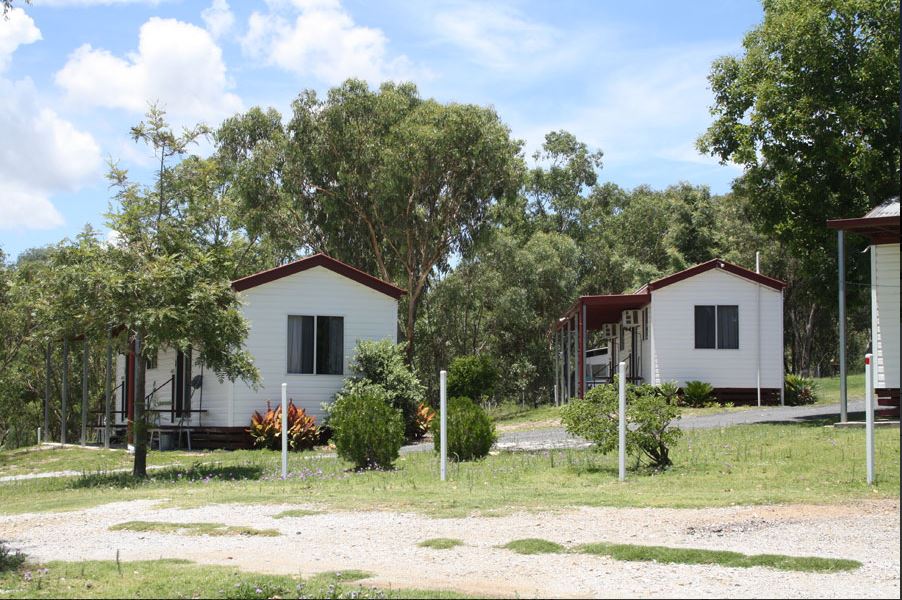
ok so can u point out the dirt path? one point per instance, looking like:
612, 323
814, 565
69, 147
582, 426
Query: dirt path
385, 543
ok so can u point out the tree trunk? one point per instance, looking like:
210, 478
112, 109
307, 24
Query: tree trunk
139, 425
412, 303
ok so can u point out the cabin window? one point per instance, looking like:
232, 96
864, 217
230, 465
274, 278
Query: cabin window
151, 361
717, 327
315, 345
645, 323
330, 341
728, 327
300, 344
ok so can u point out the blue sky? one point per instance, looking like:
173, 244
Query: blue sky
628, 78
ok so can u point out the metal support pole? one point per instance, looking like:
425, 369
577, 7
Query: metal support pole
443, 423
64, 409
284, 431
84, 393
582, 353
843, 396
621, 373
107, 394
869, 416
47, 395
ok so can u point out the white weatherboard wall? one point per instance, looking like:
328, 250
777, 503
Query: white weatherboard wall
368, 315
885, 314
674, 356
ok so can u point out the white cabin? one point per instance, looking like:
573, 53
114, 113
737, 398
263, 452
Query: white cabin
305, 319
715, 322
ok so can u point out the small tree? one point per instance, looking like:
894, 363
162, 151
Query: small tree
472, 377
650, 413
369, 432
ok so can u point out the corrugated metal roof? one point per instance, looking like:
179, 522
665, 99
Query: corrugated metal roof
890, 208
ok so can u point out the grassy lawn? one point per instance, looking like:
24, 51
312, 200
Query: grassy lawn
828, 388
749, 464
166, 578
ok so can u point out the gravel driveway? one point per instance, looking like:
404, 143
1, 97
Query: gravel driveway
385, 544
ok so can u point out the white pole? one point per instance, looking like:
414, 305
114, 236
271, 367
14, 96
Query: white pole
869, 416
621, 374
758, 373
443, 424
39, 436
284, 431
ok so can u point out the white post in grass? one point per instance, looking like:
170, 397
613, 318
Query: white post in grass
443, 423
869, 416
284, 431
621, 376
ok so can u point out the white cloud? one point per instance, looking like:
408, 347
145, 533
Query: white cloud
320, 38
68, 3
177, 64
218, 18
40, 152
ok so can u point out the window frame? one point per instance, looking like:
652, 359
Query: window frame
717, 337
315, 316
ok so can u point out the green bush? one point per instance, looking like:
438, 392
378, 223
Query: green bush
697, 393
470, 431
799, 390
650, 416
10, 560
472, 376
367, 430
382, 364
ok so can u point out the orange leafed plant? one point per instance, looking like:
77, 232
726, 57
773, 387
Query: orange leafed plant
424, 417
266, 429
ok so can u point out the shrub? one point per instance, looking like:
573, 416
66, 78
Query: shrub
697, 393
382, 363
10, 560
799, 390
266, 429
367, 430
470, 431
650, 414
425, 415
472, 376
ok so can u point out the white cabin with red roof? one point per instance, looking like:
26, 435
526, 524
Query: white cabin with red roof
305, 319
715, 322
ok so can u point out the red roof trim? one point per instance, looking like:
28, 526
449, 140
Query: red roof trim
716, 263
318, 260
880, 230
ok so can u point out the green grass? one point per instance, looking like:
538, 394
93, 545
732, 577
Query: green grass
440, 543
296, 512
214, 529
747, 464
694, 556
182, 579
534, 546
827, 388
510, 413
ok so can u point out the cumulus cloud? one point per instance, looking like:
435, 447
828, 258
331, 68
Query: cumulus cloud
319, 38
218, 18
40, 152
177, 64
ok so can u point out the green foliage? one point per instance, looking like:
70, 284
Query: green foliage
10, 560
211, 529
381, 364
472, 376
369, 432
697, 394
799, 390
534, 546
649, 415
470, 431
440, 543
266, 428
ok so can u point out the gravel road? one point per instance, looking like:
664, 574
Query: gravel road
385, 544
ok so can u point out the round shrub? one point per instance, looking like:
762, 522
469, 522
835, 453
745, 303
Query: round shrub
472, 376
799, 390
697, 393
367, 430
470, 431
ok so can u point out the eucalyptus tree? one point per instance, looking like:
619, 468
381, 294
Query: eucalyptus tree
168, 285
396, 182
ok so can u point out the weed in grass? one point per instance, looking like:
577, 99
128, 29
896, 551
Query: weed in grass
10, 560
214, 529
440, 543
534, 546
694, 556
